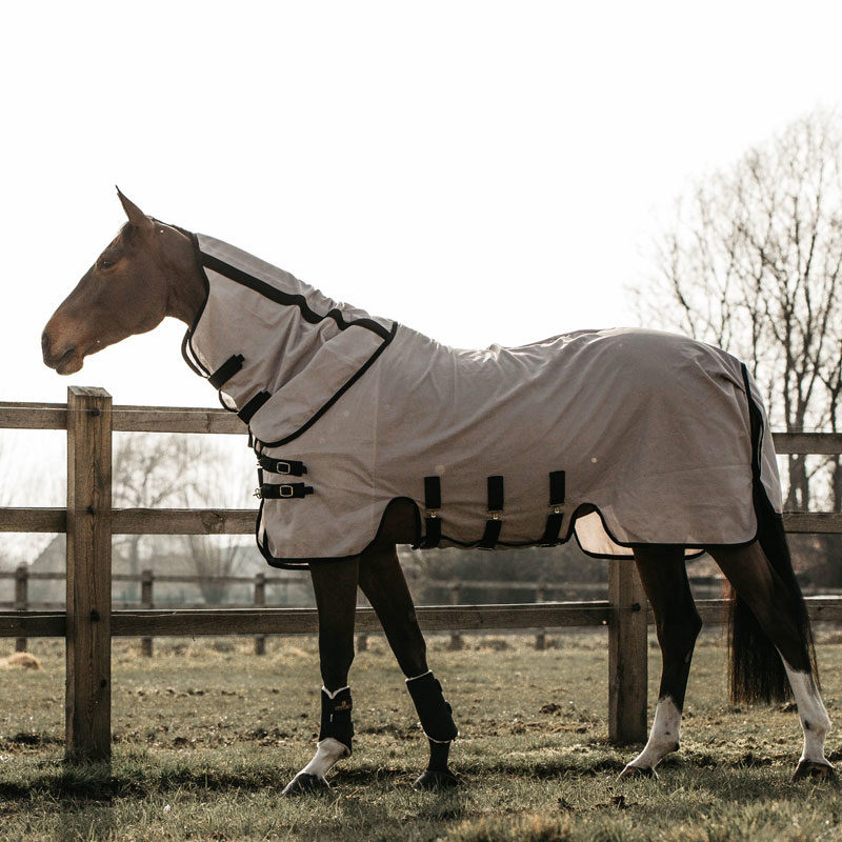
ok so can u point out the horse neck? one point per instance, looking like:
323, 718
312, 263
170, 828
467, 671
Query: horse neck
187, 287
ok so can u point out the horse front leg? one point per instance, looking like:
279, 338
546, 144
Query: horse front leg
335, 585
383, 583
664, 577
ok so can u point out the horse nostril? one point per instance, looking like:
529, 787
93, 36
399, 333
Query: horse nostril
45, 343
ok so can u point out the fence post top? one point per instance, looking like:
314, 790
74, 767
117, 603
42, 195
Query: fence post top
87, 392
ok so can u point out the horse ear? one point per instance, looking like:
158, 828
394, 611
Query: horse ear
136, 216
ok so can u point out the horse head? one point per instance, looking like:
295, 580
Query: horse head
147, 272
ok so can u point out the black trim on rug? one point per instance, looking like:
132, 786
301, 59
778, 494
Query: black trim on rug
219, 266
337, 395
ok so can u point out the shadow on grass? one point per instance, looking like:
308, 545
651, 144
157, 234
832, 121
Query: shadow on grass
745, 777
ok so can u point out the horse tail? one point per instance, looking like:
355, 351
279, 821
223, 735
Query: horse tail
757, 670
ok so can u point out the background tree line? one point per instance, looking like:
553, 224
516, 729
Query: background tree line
751, 262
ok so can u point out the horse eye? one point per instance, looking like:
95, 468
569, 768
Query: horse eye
105, 263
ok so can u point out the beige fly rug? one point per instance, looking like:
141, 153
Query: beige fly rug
621, 437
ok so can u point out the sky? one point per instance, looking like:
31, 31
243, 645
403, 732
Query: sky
482, 172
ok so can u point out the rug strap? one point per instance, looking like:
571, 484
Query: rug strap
556, 516
246, 413
432, 515
285, 467
495, 514
283, 491
226, 371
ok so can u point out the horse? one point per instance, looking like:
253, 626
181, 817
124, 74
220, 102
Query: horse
309, 375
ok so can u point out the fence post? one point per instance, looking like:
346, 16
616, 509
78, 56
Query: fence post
627, 654
147, 583
455, 637
88, 645
541, 634
21, 599
260, 601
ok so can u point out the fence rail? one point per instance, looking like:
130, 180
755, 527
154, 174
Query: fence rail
89, 623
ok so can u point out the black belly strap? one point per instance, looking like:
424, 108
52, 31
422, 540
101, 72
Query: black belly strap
495, 514
432, 512
555, 516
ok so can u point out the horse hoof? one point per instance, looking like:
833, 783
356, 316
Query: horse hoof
432, 779
304, 784
815, 770
637, 772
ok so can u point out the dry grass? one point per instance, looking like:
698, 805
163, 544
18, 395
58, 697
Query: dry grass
24, 660
207, 734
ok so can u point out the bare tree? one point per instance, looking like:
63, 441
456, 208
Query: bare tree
753, 264
149, 472
223, 481
154, 471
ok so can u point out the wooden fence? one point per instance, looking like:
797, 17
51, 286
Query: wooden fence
260, 582
89, 623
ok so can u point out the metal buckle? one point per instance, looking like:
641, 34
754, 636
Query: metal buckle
286, 465
258, 493
286, 490
496, 515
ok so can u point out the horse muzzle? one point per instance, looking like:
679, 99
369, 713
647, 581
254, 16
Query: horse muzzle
65, 359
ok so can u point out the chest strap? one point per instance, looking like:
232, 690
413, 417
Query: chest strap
556, 516
283, 491
495, 514
285, 467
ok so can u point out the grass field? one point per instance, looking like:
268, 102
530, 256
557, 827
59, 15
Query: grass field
206, 736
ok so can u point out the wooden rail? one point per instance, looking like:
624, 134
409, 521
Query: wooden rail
89, 623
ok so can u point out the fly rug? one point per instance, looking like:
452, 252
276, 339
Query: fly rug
639, 443
623, 437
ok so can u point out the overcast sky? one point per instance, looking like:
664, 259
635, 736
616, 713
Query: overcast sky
483, 172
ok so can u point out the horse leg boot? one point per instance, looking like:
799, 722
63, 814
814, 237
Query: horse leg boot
664, 577
760, 586
335, 585
383, 583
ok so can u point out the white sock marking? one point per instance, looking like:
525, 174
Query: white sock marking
811, 711
328, 751
663, 738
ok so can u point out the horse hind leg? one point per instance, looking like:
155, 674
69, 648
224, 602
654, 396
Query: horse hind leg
774, 600
664, 577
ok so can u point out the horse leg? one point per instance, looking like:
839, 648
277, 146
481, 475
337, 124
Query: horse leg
768, 597
383, 583
335, 585
664, 577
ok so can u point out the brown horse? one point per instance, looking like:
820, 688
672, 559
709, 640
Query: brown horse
152, 270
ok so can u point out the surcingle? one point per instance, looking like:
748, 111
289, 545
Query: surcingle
621, 437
